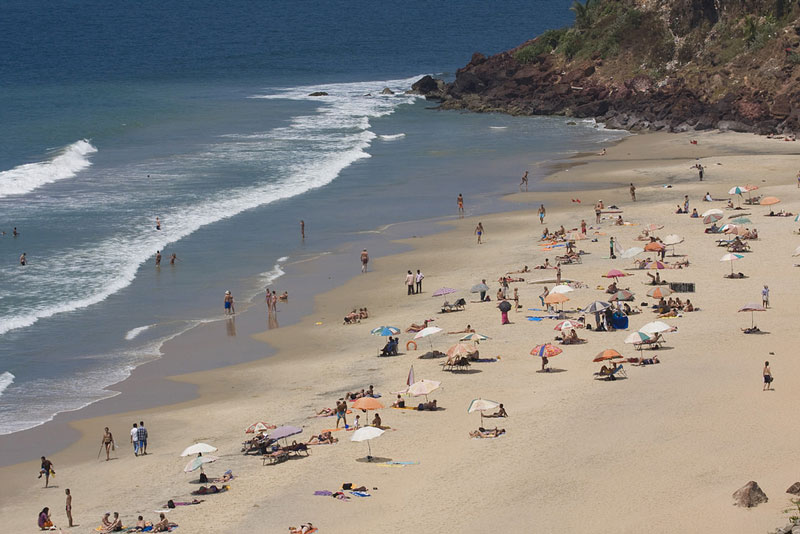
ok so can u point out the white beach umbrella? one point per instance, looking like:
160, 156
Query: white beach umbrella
198, 448
429, 331
367, 433
562, 289
713, 211
423, 387
657, 327
637, 337
197, 463
632, 252
672, 239
796, 252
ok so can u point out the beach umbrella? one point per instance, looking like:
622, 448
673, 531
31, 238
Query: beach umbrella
426, 332
567, 325
260, 426
443, 291
621, 295
596, 307
750, 187
473, 336
608, 354
563, 289
632, 252
367, 433
655, 265
796, 252
731, 258
637, 337
504, 306
769, 201
385, 331
660, 292
482, 405
477, 288
672, 239
423, 387
797, 217
737, 190
283, 432
712, 218
198, 448
410, 379
712, 211
657, 327
654, 246
461, 349
363, 403
752, 308
615, 273
576, 236
734, 230
653, 227
546, 351
197, 463
741, 220
555, 298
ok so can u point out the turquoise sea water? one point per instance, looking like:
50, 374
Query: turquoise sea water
198, 113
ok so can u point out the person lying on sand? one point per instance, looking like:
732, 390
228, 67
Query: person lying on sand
467, 330
417, 327
141, 524
227, 477
525, 269
648, 361
545, 265
325, 412
430, 406
326, 438
572, 338
302, 529
484, 433
352, 317
509, 279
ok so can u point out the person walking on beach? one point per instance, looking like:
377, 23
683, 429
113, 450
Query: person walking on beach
524, 181
158, 258
598, 209
483, 293
410, 282
418, 278
611, 248
516, 299
135, 439
46, 470
479, 232
542, 212
23, 260
765, 296
68, 507
302, 229
341, 412
460, 201
685, 203
583, 226
633, 192
767, 377
228, 303
142, 433
798, 187
699, 168
108, 442
274, 303
364, 260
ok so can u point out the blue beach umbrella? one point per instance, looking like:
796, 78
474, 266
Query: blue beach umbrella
385, 331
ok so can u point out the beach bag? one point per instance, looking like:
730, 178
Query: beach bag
170, 504
203, 478
347, 486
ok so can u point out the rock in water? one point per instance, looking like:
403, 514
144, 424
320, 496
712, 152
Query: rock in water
749, 495
794, 489
387, 91
318, 93
425, 85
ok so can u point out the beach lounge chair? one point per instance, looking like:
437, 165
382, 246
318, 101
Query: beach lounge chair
615, 373
738, 247
296, 449
652, 343
276, 457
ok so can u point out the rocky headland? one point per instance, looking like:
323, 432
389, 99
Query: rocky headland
673, 65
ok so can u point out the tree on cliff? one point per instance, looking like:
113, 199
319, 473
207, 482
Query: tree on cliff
583, 16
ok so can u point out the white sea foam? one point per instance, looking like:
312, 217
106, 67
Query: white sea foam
65, 164
6, 379
273, 274
391, 137
339, 135
498, 127
133, 332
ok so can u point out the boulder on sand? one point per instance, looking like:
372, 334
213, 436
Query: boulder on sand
749, 495
794, 489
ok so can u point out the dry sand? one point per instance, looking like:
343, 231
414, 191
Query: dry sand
662, 450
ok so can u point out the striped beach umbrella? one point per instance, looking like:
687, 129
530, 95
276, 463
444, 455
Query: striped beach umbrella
621, 295
546, 350
385, 331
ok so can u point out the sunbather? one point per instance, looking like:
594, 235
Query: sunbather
326, 438
376, 421
501, 412
227, 477
363, 313
162, 525
649, 361
141, 524
116, 524
399, 403
302, 529
352, 317
523, 270
467, 330
485, 433
326, 412
431, 406
417, 327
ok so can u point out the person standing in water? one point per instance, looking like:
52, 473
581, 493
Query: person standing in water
173, 259
542, 212
23, 260
228, 303
460, 201
158, 258
633, 192
158, 223
479, 232
524, 181
364, 260
302, 229
15, 233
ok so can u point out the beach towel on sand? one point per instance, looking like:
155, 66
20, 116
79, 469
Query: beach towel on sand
360, 494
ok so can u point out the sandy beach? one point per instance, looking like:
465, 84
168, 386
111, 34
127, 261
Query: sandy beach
662, 449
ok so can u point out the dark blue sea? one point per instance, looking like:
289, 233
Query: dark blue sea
198, 113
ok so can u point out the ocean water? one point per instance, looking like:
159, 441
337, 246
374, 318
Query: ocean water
199, 114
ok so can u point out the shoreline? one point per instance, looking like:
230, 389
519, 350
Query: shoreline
211, 385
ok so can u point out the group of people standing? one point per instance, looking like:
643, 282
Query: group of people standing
414, 282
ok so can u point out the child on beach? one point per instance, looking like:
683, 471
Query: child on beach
767, 377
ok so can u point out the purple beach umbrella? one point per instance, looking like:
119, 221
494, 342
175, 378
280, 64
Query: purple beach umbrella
443, 291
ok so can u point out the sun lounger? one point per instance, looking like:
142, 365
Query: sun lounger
738, 247
456, 364
618, 371
275, 457
296, 449
652, 343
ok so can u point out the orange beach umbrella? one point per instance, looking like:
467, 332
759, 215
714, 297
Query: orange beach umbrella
608, 354
367, 403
